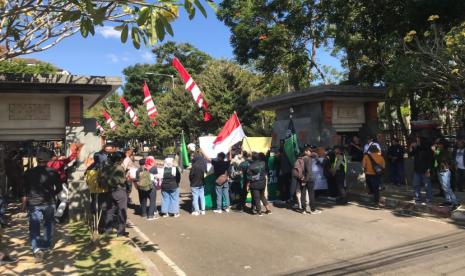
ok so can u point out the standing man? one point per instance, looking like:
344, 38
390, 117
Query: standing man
220, 170
303, 175
423, 166
356, 149
129, 164
114, 176
41, 186
396, 157
459, 161
371, 141
339, 169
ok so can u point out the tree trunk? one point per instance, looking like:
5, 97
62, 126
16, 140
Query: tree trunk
353, 70
403, 127
413, 106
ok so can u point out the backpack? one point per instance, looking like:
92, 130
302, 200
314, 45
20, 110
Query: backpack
104, 174
92, 181
145, 180
376, 167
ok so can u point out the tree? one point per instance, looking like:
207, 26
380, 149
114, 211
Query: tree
278, 36
20, 66
28, 26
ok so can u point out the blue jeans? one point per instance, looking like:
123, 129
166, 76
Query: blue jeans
222, 193
36, 215
444, 179
150, 195
170, 201
419, 180
198, 194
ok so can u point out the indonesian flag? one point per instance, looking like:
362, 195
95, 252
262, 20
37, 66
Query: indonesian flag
109, 120
193, 88
129, 110
231, 134
99, 127
151, 108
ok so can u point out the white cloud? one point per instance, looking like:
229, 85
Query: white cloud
113, 58
109, 32
125, 58
147, 56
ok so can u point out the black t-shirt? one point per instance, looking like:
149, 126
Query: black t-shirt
355, 153
396, 151
41, 184
220, 167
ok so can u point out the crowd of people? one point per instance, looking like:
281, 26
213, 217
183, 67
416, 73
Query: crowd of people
113, 175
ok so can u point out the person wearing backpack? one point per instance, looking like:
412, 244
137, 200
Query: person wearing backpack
373, 166
145, 177
256, 179
196, 178
113, 174
98, 191
170, 189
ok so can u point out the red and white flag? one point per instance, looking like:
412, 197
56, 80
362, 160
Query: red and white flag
129, 110
99, 127
193, 88
231, 134
109, 120
151, 108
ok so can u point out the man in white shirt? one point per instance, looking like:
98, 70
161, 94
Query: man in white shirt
459, 159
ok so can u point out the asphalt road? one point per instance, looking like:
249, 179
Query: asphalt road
340, 241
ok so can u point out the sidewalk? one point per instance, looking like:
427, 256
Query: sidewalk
73, 253
401, 199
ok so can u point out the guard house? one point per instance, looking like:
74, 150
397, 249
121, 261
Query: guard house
325, 115
44, 108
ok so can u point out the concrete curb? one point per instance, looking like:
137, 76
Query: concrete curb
410, 207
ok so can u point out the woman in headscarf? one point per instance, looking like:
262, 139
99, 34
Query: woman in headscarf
170, 189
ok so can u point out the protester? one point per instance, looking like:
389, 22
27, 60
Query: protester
220, 171
339, 170
5, 259
356, 149
396, 157
443, 164
459, 161
41, 185
145, 183
170, 189
197, 182
59, 165
256, 180
244, 166
302, 173
113, 175
98, 190
236, 179
371, 141
423, 163
373, 165
319, 165
15, 173
129, 164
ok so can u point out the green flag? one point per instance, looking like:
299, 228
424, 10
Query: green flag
291, 147
184, 154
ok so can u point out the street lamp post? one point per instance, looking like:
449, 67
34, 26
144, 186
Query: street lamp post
166, 75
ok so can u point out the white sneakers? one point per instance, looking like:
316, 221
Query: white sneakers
202, 213
195, 213
217, 211
227, 210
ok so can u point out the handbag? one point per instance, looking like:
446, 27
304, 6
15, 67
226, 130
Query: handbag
221, 180
376, 167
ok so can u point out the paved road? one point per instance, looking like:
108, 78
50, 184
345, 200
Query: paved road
341, 240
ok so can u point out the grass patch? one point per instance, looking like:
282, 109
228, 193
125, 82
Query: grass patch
108, 256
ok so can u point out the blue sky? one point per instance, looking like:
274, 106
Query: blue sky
104, 54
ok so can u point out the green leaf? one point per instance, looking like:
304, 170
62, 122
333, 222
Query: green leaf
200, 7
92, 29
124, 33
212, 6
135, 37
143, 15
84, 28
160, 30
167, 25
75, 15
192, 13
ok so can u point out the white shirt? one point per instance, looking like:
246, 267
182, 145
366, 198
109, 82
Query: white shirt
367, 146
459, 159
